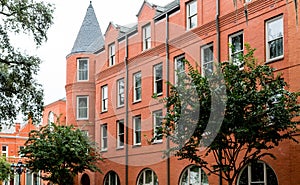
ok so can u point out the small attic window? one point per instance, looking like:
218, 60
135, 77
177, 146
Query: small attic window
112, 54
146, 37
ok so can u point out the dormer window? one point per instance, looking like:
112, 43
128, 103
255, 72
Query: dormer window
112, 54
146, 37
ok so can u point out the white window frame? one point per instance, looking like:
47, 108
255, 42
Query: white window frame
146, 36
278, 18
190, 16
143, 175
104, 98
104, 137
137, 120
265, 175
205, 63
176, 70
29, 178
120, 92
111, 175
231, 53
137, 88
157, 116
120, 134
78, 108
112, 54
188, 169
80, 72
4, 151
156, 80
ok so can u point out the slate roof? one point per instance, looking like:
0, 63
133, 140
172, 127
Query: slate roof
89, 37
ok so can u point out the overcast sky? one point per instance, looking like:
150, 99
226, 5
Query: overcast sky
68, 17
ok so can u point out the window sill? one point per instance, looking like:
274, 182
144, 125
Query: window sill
82, 119
136, 101
103, 150
120, 106
137, 145
102, 112
157, 142
120, 148
274, 59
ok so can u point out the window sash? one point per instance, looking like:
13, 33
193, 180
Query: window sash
191, 14
120, 130
274, 38
120, 88
137, 87
112, 55
157, 122
146, 37
104, 98
237, 49
179, 67
82, 107
207, 54
104, 141
82, 69
137, 130
158, 80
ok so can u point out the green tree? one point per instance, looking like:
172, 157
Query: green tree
60, 152
4, 169
233, 115
19, 90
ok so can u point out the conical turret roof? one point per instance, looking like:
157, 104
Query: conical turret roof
89, 37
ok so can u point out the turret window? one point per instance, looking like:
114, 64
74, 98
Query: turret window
82, 70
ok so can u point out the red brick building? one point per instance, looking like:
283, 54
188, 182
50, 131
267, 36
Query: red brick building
111, 80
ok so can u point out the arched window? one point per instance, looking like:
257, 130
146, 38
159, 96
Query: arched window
111, 178
193, 175
85, 179
147, 177
257, 173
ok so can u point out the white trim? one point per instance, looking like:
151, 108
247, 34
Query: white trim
176, 72
146, 38
120, 134
202, 58
112, 54
136, 88
155, 82
119, 94
77, 108
135, 130
156, 114
189, 16
104, 98
242, 46
78, 61
267, 40
104, 137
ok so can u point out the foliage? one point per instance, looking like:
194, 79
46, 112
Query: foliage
235, 115
19, 90
4, 169
60, 152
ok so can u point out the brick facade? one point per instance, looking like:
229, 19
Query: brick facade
169, 24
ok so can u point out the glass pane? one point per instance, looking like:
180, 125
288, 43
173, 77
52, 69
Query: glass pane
193, 8
158, 72
194, 175
257, 172
244, 177
271, 176
184, 178
276, 47
193, 21
159, 86
148, 174
275, 29
237, 43
204, 178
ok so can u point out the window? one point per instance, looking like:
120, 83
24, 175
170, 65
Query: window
120, 134
274, 38
111, 178
137, 132
50, 117
147, 177
4, 150
82, 70
120, 88
82, 107
257, 173
157, 122
193, 175
146, 37
104, 99
158, 80
32, 178
191, 12
104, 137
207, 59
20, 148
179, 67
137, 87
112, 54
236, 42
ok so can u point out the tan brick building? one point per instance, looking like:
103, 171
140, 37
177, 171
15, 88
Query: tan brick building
111, 80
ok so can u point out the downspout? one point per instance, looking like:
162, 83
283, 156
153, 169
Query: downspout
126, 109
219, 61
167, 94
